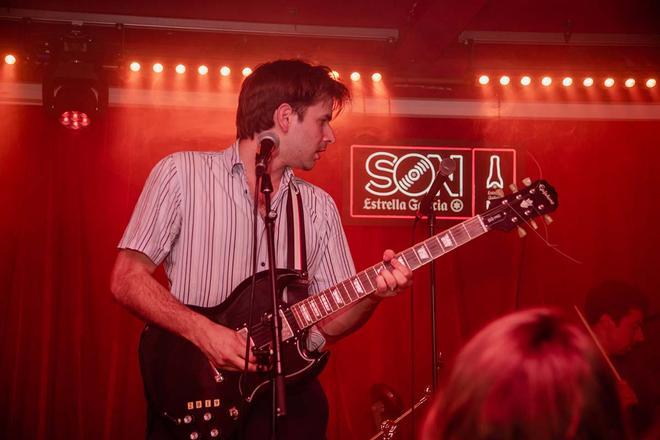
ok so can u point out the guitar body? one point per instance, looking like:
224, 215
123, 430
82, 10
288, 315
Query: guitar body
181, 384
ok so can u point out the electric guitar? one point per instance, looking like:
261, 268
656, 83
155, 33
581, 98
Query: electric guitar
204, 403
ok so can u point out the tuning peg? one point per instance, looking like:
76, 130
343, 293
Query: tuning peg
521, 232
513, 187
547, 219
527, 181
533, 224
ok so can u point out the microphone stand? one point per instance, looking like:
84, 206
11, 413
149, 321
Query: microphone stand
430, 218
447, 167
279, 396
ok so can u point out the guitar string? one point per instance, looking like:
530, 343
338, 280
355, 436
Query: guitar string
554, 247
493, 211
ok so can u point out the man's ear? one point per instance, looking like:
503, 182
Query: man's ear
283, 117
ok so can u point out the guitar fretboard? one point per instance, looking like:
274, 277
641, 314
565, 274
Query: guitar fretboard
315, 308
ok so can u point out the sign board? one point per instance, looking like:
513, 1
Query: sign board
390, 181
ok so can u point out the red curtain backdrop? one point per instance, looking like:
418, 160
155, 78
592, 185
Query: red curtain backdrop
68, 353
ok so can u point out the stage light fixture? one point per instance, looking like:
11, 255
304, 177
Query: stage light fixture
525, 81
650, 83
202, 70
546, 81
609, 82
246, 71
630, 82
355, 76
74, 120
135, 66
567, 82
334, 74
74, 88
376, 77
10, 59
180, 69
225, 71
505, 80
588, 82
483, 80
158, 67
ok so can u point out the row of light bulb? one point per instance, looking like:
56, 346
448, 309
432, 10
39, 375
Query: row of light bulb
181, 69
567, 81
204, 70
226, 71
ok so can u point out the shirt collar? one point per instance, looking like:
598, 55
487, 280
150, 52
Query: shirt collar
235, 166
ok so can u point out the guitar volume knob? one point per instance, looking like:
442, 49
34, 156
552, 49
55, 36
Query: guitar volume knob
194, 435
214, 432
207, 416
187, 419
233, 412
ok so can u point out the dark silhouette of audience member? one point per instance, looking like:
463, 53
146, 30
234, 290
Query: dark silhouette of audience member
528, 375
617, 312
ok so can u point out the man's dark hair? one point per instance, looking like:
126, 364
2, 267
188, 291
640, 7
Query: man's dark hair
614, 298
294, 82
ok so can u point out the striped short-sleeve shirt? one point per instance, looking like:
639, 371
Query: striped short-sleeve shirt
195, 216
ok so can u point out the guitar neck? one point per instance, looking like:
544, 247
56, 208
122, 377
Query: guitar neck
315, 308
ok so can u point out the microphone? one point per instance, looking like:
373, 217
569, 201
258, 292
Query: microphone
447, 166
268, 142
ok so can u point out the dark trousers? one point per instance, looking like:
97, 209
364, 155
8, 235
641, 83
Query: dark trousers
306, 419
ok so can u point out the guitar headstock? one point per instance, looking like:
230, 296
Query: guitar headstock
537, 198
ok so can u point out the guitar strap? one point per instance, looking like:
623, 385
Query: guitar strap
297, 254
296, 249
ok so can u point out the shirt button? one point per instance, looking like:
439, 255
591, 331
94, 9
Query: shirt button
263, 264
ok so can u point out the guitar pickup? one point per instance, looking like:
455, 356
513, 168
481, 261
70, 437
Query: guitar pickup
264, 358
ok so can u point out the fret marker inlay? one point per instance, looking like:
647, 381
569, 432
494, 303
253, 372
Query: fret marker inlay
447, 241
315, 309
337, 297
358, 286
326, 304
422, 253
305, 313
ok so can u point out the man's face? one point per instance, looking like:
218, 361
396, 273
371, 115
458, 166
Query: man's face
627, 333
309, 137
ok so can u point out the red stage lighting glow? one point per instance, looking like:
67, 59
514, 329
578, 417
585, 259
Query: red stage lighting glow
180, 69
546, 81
525, 80
567, 82
650, 83
158, 68
10, 59
630, 82
483, 80
225, 71
246, 71
135, 66
355, 76
202, 70
609, 82
505, 80
74, 120
376, 77
588, 82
